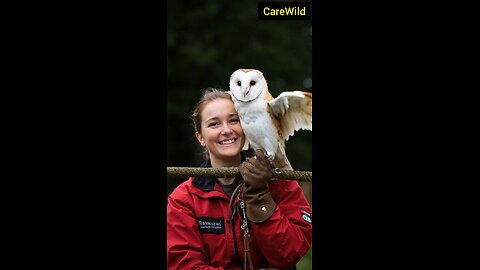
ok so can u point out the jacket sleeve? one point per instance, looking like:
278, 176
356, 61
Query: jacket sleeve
184, 244
287, 236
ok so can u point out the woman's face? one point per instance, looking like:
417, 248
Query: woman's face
221, 132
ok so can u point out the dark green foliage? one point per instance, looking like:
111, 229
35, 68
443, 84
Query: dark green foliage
206, 42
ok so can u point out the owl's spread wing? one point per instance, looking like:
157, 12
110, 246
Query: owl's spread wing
294, 111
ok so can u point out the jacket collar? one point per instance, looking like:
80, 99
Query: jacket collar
208, 183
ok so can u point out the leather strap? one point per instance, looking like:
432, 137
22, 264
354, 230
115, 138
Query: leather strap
246, 235
244, 221
230, 206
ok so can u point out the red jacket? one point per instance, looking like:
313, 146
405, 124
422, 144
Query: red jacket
198, 236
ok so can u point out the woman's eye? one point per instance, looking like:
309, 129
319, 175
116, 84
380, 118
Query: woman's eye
234, 121
212, 124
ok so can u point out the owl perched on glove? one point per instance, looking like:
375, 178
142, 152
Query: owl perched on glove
266, 121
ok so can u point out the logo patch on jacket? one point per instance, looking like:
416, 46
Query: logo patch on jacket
211, 225
306, 216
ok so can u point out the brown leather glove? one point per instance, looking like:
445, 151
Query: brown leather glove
257, 173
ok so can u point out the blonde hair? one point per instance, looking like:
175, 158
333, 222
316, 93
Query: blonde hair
208, 95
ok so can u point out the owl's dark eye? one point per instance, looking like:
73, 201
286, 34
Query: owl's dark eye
252, 82
239, 83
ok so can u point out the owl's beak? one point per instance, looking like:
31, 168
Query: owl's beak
245, 93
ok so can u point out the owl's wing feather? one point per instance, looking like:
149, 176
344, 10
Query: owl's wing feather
294, 111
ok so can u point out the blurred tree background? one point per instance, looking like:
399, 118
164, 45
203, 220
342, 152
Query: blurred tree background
206, 42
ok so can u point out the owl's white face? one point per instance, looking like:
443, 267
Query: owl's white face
246, 86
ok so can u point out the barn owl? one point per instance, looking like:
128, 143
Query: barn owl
266, 121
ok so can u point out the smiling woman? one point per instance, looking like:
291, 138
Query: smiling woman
232, 222
218, 128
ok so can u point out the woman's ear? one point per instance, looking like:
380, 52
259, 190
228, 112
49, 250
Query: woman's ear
200, 138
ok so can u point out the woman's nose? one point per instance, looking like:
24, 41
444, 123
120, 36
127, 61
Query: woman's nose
226, 129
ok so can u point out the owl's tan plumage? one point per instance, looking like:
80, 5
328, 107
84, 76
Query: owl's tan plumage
267, 122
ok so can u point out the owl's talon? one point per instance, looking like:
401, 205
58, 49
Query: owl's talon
269, 158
